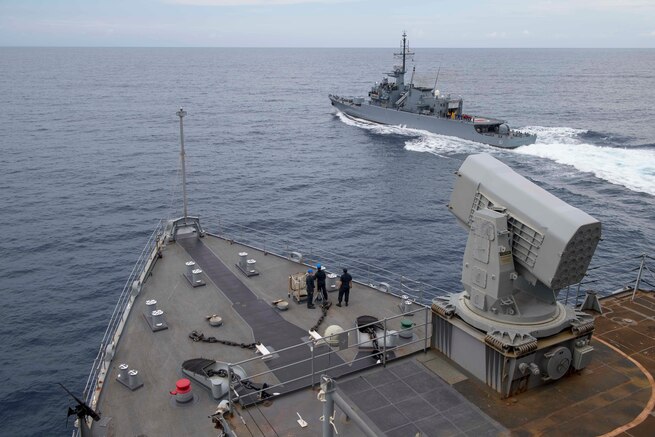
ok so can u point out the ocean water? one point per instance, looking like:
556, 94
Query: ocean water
90, 157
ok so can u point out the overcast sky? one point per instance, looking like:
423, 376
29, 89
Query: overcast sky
328, 23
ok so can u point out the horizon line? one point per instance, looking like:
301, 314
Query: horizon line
297, 47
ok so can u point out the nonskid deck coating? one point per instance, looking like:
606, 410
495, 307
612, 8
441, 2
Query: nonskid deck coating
610, 393
268, 326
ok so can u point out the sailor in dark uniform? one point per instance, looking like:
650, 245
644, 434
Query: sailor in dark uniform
320, 282
310, 289
344, 288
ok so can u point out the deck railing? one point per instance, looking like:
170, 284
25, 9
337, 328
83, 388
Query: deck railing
371, 275
422, 292
141, 268
382, 279
621, 281
421, 335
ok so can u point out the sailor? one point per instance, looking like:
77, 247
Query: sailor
320, 282
310, 289
344, 287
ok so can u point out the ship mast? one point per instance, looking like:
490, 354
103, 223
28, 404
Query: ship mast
399, 74
185, 221
404, 49
181, 113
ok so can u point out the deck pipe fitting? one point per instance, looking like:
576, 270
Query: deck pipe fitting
182, 391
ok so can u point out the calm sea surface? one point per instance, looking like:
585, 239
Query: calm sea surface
89, 164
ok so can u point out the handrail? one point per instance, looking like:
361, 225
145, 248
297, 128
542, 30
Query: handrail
626, 278
418, 291
384, 349
415, 289
119, 312
375, 277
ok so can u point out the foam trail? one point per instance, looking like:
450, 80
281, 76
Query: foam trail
420, 140
383, 129
629, 167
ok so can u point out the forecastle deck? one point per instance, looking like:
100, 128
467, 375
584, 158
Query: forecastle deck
409, 391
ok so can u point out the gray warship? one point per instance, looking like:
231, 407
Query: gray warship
212, 334
400, 104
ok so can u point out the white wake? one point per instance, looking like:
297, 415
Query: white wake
419, 140
629, 167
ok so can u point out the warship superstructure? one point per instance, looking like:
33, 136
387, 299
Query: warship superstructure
404, 104
212, 335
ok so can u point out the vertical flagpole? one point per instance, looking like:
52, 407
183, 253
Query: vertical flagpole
181, 113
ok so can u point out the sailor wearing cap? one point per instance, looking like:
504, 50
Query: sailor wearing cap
310, 289
320, 282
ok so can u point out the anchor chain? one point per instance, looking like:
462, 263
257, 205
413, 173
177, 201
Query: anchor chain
370, 330
236, 380
373, 325
324, 308
199, 336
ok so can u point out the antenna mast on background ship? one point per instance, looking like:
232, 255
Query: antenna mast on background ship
400, 75
405, 52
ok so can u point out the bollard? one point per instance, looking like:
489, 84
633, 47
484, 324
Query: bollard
190, 267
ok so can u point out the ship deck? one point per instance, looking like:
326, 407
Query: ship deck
414, 390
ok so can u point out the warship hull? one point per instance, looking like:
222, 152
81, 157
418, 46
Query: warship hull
465, 129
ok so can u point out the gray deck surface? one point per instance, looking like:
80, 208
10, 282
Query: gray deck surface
267, 324
244, 304
417, 392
